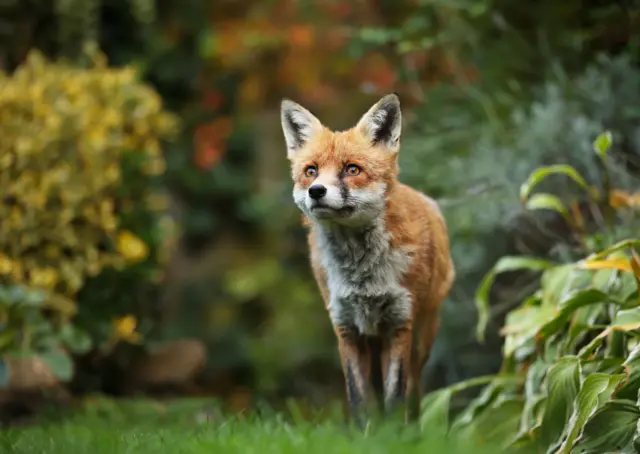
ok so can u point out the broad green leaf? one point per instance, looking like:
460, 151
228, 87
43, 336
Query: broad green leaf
582, 322
533, 396
555, 282
551, 202
524, 445
624, 244
587, 351
626, 320
603, 280
497, 424
602, 143
523, 324
77, 340
59, 362
4, 374
541, 173
434, 414
568, 306
629, 389
505, 264
595, 392
494, 380
614, 382
625, 286
488, 395
562, 385
611, 428
615, 345
610, 365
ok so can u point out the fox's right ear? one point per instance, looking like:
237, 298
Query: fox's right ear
298, 125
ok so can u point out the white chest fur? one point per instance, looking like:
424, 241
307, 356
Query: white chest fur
364, 278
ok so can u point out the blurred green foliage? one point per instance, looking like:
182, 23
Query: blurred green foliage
491, 90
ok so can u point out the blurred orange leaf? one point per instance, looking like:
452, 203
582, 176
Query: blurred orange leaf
212, 99
210, 142
336, 38
319, 94
302, 36
252, 89
623, 199
577, 214
378, 71
208, 157
338, 10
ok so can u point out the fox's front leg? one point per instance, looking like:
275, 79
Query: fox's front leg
396, 367
356, 366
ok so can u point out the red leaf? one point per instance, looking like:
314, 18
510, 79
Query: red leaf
212, 99
207, 157
210, 142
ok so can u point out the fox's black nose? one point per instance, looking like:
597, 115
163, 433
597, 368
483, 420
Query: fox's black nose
317, 191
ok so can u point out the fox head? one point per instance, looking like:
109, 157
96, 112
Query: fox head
343, 176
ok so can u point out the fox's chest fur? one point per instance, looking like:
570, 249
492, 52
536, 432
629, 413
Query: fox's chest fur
364, 278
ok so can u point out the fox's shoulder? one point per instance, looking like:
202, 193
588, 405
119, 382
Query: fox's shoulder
410, 200
413, 215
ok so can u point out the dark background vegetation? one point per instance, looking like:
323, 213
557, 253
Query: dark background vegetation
491, 89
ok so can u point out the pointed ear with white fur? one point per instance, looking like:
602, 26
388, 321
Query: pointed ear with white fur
298, 125
382, 124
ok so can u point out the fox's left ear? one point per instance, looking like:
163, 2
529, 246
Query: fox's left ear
382, 124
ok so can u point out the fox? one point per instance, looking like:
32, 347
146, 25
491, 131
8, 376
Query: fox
378, 249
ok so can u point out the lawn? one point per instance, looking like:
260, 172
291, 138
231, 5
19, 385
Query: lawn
193, 427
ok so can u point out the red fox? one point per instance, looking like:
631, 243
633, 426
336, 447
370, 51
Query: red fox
379, 251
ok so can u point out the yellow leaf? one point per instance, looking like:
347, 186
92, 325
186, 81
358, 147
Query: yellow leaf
608, 264
154, 167
125, 329
17, 272
45, 277
61, 304
132, 248
5, 264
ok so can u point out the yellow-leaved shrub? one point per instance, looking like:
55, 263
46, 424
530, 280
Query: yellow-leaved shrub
64, 133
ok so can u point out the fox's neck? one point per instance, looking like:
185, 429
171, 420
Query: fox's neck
354, 247
348, 244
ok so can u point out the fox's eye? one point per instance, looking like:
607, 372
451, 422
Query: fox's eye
352, 170
310, 171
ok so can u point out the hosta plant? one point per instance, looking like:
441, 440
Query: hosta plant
571, 371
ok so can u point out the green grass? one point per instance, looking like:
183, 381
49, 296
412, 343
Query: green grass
143, 427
